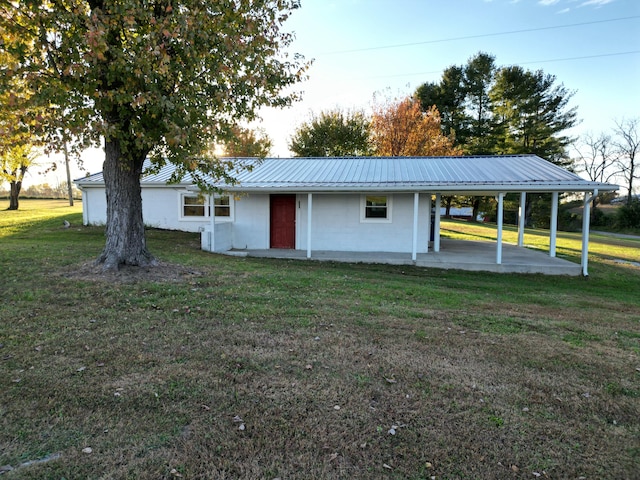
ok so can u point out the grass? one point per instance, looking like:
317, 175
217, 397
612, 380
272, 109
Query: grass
258, 368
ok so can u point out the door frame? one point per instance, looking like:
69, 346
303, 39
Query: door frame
291, 227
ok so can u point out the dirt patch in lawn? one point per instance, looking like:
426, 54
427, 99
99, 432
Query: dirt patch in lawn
163, 272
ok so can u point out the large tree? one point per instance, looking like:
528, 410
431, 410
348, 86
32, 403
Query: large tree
595, 157
531, 114
400, 128
449, 96
333, 133
14, 163
627, 145
157, 79
246, 142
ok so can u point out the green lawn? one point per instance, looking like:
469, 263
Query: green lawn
237, 368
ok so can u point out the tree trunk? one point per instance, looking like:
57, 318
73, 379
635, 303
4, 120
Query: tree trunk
125, 242
475, 209
447, 203
69, 185
14, 194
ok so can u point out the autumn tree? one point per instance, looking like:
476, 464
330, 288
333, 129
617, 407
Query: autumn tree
246, 142
333, 133
400, 128
14, 163
158, 80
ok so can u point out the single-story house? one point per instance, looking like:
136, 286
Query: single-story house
344, 204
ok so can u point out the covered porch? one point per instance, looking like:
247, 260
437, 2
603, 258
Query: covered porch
453, 254
388, 210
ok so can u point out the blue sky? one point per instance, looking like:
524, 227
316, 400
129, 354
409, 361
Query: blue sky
361, 47
356, 52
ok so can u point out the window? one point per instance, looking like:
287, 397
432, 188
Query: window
222, 206
194, 206
375, 208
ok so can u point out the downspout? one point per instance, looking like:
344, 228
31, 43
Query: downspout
586, 220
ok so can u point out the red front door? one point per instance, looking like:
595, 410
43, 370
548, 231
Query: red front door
283, 221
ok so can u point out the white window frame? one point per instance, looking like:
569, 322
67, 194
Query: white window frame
363, 208
183, 197
207, 208
224, 218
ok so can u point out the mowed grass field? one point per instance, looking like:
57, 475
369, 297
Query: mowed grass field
237, 368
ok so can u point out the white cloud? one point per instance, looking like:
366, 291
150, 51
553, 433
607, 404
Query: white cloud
546, 3
597, 3
564, 10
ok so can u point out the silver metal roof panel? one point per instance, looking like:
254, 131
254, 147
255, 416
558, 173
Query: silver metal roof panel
447, 174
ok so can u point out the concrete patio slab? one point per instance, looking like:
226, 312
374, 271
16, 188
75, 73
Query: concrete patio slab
453, 254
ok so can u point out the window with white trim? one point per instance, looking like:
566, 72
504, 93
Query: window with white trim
375, 208
222, 206
194, 206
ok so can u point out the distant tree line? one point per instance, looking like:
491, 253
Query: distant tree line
45, 190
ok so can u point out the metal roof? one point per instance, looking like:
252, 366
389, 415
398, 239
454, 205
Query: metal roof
477, 174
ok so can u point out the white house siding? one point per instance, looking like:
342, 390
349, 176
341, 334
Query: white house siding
251, 221
336, 224
94, 206
161, 208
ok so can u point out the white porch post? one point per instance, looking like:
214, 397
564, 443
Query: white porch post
554, 224
500, 222
586, 214
521, 218
429, 207
436, 236
416, 201
309, 211
212, 216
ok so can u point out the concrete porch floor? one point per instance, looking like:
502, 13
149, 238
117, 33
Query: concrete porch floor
453, 254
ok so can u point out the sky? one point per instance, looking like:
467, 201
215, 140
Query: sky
361, 48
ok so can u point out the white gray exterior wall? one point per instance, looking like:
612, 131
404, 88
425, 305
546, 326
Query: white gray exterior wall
161, 208
336, 220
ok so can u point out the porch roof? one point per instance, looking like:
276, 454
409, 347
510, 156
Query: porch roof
468, 174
